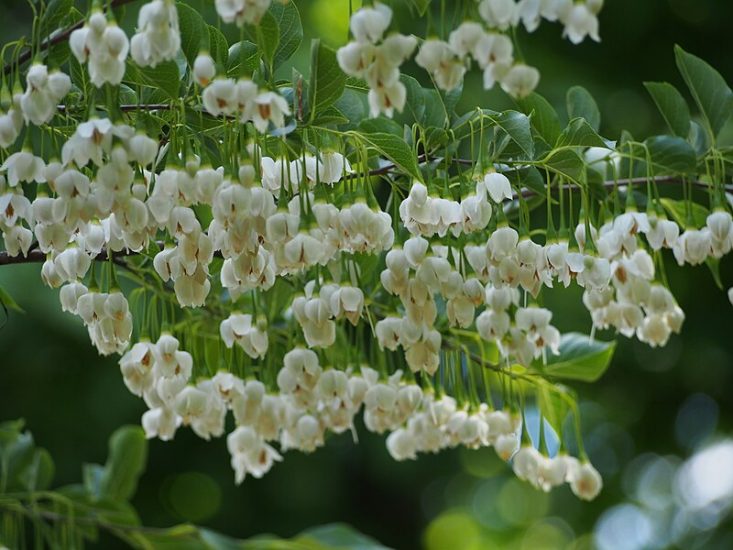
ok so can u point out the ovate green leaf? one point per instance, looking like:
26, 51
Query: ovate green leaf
581, 104
708, 88
243, 59
579, 134
128, 450
542, 115
672, 106
218, 47
194, 32
164, 77
517, 127
395, 149
327, 80
580, 358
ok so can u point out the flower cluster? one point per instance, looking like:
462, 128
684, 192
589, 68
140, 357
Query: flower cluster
244, 100
377, 59
492, 51
104, 46
43, 92
158, 37
242, 11
547, 472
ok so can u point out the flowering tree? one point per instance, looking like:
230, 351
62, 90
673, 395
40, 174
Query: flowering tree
296, 250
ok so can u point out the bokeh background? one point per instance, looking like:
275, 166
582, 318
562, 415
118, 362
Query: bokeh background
658, 425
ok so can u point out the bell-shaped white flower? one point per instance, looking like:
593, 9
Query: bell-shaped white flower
158, 38
442, 62
204, 69
585, 481
499, 14
520, 81
580, 22
369, 24
495, 185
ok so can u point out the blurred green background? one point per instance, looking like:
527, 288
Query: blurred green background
648, 423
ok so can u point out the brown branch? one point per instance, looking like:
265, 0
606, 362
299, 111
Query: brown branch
25, 56
37, 256
128, 107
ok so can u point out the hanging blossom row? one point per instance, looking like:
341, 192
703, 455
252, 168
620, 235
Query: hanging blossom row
308, 220
376, 59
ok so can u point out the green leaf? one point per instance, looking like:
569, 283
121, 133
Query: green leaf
567, 163
327, 80
7, 301
542, 115
38, 475
164, 76
672, 106
708, 88
194, 32
554, 402
218, 47
54, 14
243, 59
287, 17
579, 134
394, 148
353, 105
330, 116
580, 358
671, 154
581, 104
415, 104
268, 38
341, 536
679, 210
517, 127
128, 450
436, 115
380, 125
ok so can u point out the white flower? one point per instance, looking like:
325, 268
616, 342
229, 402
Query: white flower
43, 93
401, 445
242, 11
693, 246
335, 165
24, 166
464, 39
369, 24
580, 22
220, 97
526, 464
240, 329
269, 107
158, 38
104, 46
495, 185
442, 62
70, 294
506, 445
387, 99
585, 481
204, 69
520, 81
494, 53
161, 422
499, 14
250, 454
